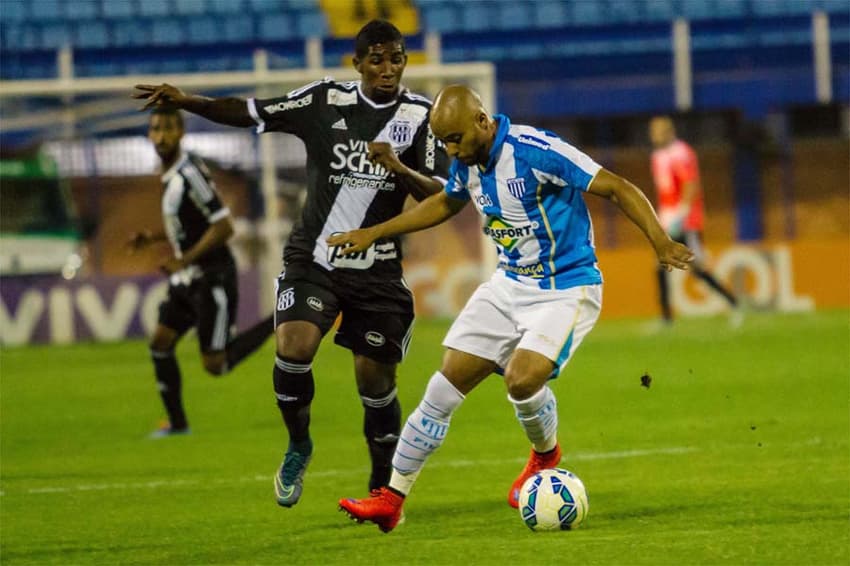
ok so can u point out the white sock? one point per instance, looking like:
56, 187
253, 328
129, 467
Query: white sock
424, 431
538, 415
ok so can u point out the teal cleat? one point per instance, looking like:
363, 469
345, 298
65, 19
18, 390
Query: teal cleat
289, 479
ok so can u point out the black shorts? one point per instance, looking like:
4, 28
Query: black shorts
209, 303
377, 317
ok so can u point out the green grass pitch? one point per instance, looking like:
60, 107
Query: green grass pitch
736, 454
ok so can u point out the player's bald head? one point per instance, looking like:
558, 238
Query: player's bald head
459, 119
661, 130
455, 105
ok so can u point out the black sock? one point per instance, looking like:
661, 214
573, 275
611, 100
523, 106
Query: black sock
381, 426
664, 294
248, 341
715, 284
294, 389
168, 379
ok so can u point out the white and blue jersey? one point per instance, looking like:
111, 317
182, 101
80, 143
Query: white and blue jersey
530, 197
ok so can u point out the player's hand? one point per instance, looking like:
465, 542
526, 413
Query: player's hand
161, 96
138, 241
382, 154
354, 241
673, 254
171, 265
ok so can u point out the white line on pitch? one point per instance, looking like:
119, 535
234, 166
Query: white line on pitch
674, 450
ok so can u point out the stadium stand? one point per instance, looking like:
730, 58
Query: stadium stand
738, 46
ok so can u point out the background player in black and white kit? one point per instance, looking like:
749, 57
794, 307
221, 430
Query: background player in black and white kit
202, 289
369, 146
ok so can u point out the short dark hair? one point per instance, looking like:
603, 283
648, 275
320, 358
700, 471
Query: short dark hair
160, 111
373, 33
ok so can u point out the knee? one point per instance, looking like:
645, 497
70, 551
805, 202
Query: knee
374, 378
521, 385
161, 344
293, 348
215, 365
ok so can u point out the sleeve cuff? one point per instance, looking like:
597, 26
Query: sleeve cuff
252, 110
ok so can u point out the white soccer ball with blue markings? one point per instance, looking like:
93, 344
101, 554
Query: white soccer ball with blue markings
553, 500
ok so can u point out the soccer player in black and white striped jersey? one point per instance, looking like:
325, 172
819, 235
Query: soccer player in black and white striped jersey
368, 148
202, 291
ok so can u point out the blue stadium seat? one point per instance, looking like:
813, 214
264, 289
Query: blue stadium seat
717, 9
91, 35
659, 11
14, 10
310, 24
226, 6
624, 11
275, 27
588, 14
82, 9
312, 5
167, 32
128, 33
190, 7
511, 15
155, 8
239, 29
21, 38
54, 36
550, 14
203, 30
266, 6
834, 6
112, 10
476, 16
440, 17
45, 10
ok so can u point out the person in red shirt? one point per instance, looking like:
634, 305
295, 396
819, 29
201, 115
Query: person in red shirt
675, 170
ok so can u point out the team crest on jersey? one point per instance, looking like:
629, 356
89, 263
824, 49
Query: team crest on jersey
516, 186
401, 132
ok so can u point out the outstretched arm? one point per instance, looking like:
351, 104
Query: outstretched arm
635, 205
433, 210
230, 111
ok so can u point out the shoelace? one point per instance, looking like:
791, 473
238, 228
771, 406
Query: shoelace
293, 463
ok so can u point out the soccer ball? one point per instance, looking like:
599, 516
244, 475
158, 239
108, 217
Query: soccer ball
552, 500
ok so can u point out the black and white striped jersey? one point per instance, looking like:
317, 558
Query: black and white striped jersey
345, 191
190, 204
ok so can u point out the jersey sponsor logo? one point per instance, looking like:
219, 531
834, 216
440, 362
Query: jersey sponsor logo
375, 338
484, 200
289, 104
315, 303
535, 271
362, 260
505, 234
536, 142
430, 150
353, 157
401, 132
516, 187
340, 125
286, 299
341, 98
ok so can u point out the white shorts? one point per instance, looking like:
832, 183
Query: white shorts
503, 315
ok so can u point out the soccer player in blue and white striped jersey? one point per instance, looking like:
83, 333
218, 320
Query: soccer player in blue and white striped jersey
528, 319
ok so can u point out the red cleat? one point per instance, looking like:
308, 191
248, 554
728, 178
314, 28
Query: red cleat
536, 462
382, 507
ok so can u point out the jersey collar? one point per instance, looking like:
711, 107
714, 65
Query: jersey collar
181, 159
374, 104
504, 124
